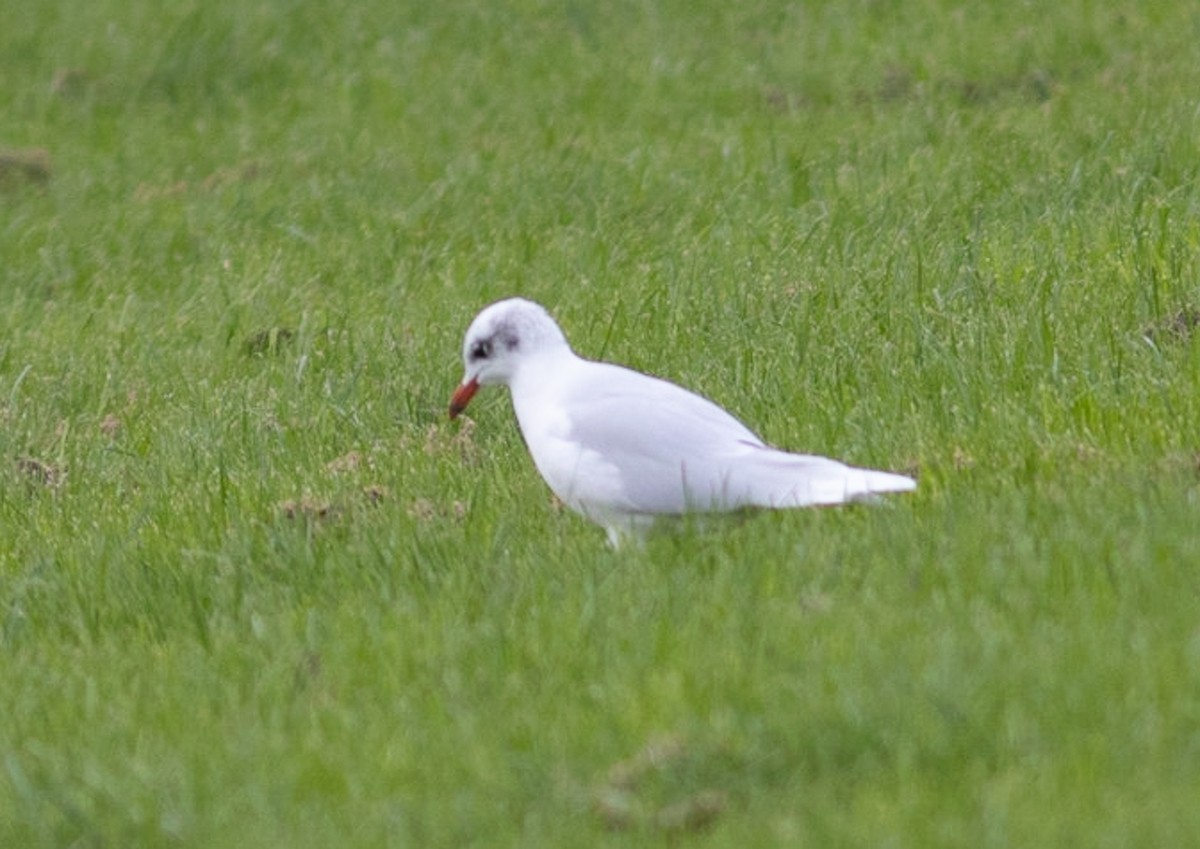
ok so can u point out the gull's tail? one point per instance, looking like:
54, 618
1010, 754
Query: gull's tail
772, 478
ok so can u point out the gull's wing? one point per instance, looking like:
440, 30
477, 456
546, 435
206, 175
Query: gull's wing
622, 442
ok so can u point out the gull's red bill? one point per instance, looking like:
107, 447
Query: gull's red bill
462, 396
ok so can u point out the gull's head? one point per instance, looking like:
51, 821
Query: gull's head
499, 340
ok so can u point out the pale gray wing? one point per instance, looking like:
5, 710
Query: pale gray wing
675, 451
670, 447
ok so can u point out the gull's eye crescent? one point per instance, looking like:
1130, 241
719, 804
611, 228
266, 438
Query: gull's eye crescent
481, 350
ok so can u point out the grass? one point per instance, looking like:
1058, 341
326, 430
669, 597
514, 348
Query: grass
256, 590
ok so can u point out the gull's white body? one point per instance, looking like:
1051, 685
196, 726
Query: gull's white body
623, 448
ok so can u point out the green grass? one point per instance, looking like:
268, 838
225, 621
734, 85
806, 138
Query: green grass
957, 239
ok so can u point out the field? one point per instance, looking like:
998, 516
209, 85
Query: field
256, 590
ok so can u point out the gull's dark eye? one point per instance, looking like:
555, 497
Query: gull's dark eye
481, 350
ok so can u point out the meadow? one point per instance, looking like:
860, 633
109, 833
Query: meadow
257, 590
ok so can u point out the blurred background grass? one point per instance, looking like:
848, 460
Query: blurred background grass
255, 589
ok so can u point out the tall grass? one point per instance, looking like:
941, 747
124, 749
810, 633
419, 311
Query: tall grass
255, 590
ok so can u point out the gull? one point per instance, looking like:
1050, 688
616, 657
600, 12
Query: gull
623, 448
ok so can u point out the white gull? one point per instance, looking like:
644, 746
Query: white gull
624, 448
